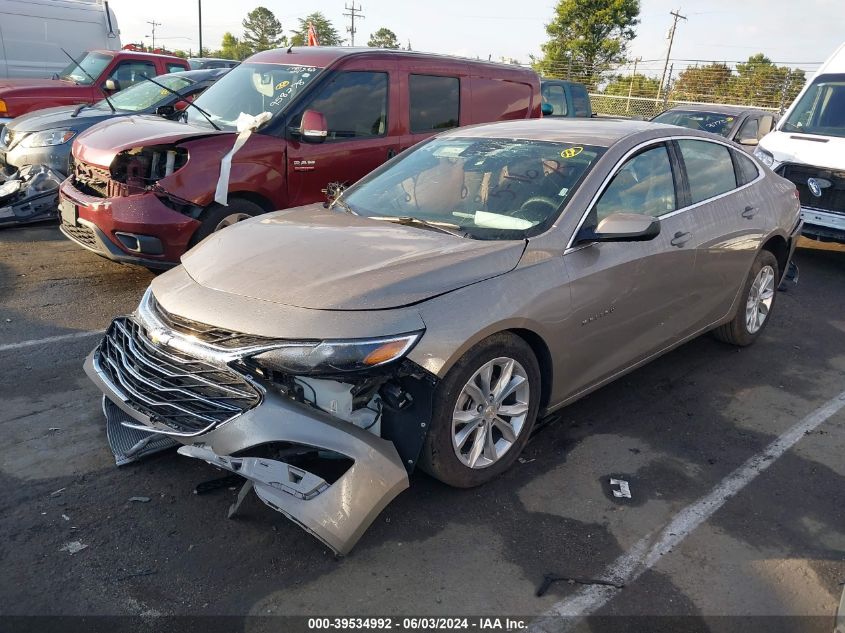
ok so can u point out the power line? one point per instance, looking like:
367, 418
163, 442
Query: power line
154, 24
676, 15
353, 13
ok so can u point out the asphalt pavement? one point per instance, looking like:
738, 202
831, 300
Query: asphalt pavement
735, 461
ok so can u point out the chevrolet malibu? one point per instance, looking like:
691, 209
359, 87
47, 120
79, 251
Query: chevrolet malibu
440, 306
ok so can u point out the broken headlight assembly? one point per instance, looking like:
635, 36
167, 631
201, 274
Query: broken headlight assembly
47, 138
333, 357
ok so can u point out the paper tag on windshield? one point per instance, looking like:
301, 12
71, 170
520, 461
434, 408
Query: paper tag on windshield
563, 192
449, 151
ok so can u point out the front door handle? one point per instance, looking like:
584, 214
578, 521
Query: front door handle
391, 153
749, 212
680, 239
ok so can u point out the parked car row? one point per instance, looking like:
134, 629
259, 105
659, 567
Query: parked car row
391, 259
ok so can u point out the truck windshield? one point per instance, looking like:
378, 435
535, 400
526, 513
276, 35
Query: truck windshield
145, 94
713, 122
821, 110
252, 89
93, 63
486, 188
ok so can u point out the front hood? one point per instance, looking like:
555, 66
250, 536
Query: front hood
809, 149
100, 144
316, 258
17, 87
60, 117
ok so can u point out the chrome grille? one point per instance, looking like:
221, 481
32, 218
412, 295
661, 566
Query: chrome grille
216, 336
82, 234
184, 393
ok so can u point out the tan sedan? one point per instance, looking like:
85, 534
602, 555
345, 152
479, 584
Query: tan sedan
481, 280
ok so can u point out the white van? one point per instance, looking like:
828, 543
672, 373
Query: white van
34, 32
808, 148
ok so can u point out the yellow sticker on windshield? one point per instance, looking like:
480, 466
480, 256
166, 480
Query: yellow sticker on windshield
282, 84
571, 152
729, 119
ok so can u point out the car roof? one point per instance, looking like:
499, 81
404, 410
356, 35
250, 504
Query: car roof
134, 53
598, 131
203, 74
718, 108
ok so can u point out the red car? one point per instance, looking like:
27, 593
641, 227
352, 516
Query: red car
111, 70
144, 190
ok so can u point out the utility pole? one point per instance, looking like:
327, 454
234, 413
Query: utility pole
353, 13
631, 87
154, 24
199, 7
676, 15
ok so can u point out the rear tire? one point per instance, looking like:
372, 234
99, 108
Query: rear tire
755, 303
475, 437
217, 217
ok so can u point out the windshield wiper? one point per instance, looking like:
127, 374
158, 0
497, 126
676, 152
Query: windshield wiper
443, 227
93, 81
186, 100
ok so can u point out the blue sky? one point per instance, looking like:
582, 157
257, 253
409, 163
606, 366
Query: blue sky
724, 30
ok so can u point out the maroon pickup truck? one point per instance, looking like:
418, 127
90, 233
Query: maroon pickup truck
111, 70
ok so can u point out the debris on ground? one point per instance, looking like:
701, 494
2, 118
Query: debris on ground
66, 517
56, 493
522, 460
139, 499
624, 491
548, 579
73, 547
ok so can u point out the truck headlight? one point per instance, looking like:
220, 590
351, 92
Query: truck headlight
764, 157
48, 138
328, 357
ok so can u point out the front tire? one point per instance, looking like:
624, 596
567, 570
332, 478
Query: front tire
484, 411
218, 217
755, 305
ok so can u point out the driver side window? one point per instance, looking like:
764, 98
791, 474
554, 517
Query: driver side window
644, 184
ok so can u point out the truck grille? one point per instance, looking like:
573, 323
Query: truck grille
82, 234
216, 336
91, 180
832, 198
186, 394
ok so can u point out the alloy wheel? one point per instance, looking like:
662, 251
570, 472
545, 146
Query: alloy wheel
490, 412
760, 297
232, 218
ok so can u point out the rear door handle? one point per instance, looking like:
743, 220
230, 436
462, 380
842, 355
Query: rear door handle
680, 239
749, 212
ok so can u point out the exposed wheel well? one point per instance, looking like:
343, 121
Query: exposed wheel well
778, 247
544, 359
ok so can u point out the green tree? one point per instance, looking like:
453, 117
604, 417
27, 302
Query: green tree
638, 85
327, 35
586, 37
383, 38
262, 31
710, 82
760, 82
232, 48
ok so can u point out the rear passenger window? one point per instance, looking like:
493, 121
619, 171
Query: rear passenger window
174, 68
580, 100
435, 102
354, 104
555, 96
746, 170
710, 170
644, 184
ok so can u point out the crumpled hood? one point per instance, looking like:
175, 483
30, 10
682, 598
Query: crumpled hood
312, 257
820, 151
100, 144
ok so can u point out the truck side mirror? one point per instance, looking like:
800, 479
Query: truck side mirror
112, 85
313, 128
167, 111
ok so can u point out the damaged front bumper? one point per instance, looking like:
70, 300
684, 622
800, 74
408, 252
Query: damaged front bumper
29, 195
336, 511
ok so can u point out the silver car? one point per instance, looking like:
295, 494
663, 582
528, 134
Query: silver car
440, 306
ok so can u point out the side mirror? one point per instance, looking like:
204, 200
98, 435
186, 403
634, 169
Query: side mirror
166, 111
112, 85
751, 141
547, 109
621, 227
313, 128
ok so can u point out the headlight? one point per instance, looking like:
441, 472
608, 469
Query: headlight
328, 357
48, 138
764, 157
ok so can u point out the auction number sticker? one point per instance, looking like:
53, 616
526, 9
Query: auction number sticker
571, 152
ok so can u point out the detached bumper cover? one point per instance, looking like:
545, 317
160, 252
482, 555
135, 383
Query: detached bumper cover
35, 199
338, 513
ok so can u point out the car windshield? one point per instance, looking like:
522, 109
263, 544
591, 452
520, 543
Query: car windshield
92, 63
252, 89
486, 188
821, 110
713, 122
145, 95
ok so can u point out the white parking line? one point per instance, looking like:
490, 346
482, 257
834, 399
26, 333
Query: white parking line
648, 551
49, 340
